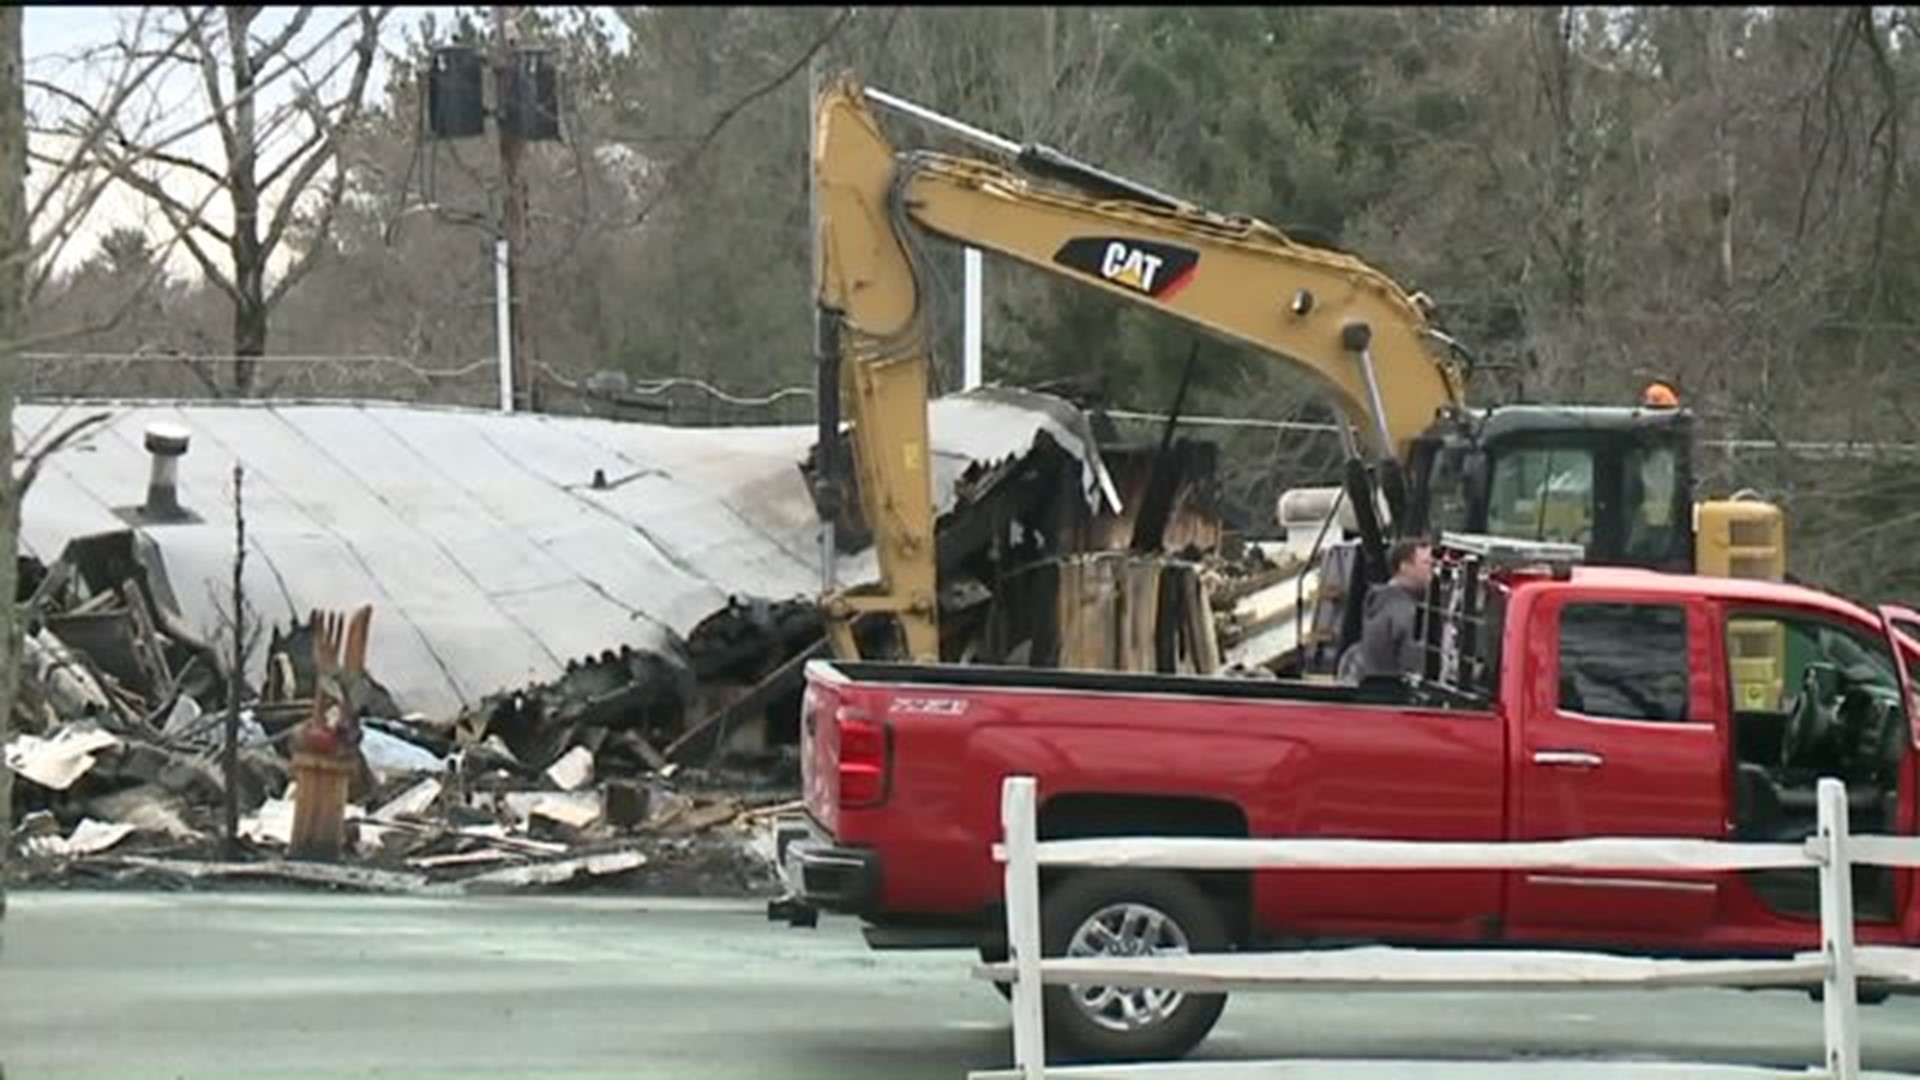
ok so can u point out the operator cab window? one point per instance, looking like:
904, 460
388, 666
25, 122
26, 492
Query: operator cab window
1544, 493
1625, 661
1654, 531
1448, 510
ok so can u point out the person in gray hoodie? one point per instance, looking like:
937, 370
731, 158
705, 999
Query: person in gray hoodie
1387, 646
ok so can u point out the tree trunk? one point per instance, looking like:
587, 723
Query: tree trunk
13, 283
1570, 176
249, 332
249, 269
1720, 31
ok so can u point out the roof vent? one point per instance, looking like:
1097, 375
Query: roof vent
168, 444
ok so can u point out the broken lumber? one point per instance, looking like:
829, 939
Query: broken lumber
709, 731
348, 877
603, 864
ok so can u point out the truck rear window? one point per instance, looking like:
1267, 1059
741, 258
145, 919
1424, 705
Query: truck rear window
1624, 661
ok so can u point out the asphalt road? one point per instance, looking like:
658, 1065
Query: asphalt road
250, 985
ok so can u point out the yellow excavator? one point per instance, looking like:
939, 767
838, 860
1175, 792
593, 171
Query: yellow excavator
1616, 479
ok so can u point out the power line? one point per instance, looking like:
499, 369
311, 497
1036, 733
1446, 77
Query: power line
1603, 314
659, 387
1303, 426
375, 359
1814, 448
1797, 447
1809, 448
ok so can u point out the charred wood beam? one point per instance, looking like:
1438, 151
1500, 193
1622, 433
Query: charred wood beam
704, 738
1150, 526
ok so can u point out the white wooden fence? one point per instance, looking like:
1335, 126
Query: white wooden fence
1838, 964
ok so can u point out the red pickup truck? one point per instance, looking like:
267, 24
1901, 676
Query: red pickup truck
1556, 704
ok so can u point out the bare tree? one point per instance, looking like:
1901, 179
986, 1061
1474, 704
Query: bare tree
62, 136
83, 140
268, 194
64, 130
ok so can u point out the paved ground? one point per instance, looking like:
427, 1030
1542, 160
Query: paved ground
132, 987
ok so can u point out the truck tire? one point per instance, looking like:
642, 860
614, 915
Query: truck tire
1127, 912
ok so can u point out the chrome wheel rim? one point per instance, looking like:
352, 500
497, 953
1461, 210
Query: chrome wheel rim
1133, 930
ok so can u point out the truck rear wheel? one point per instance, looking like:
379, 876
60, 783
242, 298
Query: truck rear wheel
1128, 913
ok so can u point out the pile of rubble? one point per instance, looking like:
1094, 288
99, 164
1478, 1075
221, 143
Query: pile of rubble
661, 762
630, 762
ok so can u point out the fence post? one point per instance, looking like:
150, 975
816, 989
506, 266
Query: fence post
1018, 823
1841, 1004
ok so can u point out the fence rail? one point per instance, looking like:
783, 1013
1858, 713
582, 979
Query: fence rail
1837, 965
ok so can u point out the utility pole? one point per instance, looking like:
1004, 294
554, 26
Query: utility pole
14, 245
826, 390
513, 214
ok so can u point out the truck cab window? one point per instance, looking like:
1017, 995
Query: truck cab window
1813, 697
1816, 698
1543, 493
1625, 661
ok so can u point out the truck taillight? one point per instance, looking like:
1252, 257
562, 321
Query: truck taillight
864, 757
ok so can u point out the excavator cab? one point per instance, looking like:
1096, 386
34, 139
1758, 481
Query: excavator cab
1616, 481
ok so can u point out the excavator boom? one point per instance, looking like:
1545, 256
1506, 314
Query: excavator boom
1244, 280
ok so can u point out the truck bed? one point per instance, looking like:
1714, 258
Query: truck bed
1133, 684
1118, 752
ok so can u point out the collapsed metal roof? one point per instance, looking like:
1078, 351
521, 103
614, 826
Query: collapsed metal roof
490, 555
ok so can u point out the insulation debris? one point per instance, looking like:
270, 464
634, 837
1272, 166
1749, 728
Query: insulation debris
58, 760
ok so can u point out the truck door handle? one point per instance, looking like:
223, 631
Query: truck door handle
1570, 759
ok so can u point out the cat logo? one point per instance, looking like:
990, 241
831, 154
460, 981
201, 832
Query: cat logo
1146, 267
1130, 267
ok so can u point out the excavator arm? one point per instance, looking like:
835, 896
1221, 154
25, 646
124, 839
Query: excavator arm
1241, 279
1348, 324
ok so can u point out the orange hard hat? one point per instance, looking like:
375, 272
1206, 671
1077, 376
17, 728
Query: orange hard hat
1660, 395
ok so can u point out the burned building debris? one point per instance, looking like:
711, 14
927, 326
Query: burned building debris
633, 710
615, 767
571, 679
1086, 550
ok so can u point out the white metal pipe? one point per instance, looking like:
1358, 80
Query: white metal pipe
971, 367
503, 321
964, 130
1378, 404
